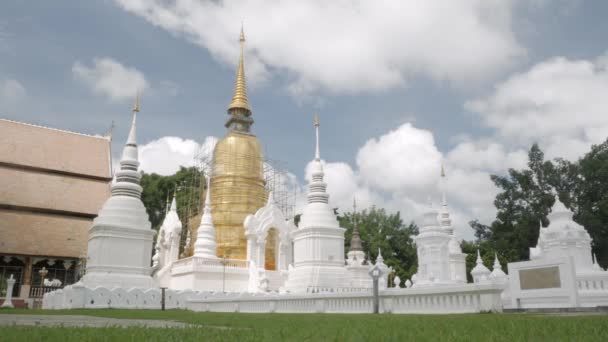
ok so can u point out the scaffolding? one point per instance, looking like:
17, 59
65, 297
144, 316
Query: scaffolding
276, 178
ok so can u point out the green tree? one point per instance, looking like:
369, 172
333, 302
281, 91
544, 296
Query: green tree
527, 196
386, 232
524, 201
590, 197
187, 184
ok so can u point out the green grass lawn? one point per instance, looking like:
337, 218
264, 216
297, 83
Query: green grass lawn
321, 327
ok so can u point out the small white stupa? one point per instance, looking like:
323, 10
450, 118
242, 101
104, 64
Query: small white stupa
167, 245
318, 242
457, 259
497, 273
205, 246
356, 264
120, 239
480, 272
432, 250
564, 237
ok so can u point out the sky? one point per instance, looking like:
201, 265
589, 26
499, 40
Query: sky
400, 86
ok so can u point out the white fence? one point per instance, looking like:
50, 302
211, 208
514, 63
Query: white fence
466, 298
440, 299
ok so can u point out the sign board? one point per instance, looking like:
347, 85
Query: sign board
543, 284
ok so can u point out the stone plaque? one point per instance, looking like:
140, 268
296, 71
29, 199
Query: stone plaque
539, 278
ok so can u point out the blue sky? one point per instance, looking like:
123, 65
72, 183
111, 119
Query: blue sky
400, 86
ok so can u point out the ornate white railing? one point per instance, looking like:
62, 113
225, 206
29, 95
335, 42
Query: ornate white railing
592, 282
196, 263
466, 298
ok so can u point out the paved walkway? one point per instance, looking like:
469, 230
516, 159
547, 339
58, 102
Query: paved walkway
84, 321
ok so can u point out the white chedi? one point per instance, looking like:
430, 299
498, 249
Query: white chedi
205, 246
564, 237
480, 272
120, 239
386, 270
167, 245
318, 243
432, 250
497, 273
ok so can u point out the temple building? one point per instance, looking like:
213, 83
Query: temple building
52, 184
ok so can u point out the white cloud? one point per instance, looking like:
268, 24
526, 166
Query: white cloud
485, 155
11, 90
348, 46
108, 77
165, 155
559, 103
401, 160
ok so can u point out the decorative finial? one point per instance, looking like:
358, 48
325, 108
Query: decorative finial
239, 98
110, 131
132, 138
317, 151
136, 103
442, 171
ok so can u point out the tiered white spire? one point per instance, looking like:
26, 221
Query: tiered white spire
205, 246
444, 212
317, 188
355, 241
128, 178
318, 213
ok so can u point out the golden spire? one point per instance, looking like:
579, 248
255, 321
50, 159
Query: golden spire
316, 119
136, 103
239, 98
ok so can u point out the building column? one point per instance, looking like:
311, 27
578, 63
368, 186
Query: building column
262, 253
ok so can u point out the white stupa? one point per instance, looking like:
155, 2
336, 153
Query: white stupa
432, 249
457, 259
564, 237
318, 242
356, 265
205, 246
120, 239
480, 272
167, 245
497, 273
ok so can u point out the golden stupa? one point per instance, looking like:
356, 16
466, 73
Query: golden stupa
237, 179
